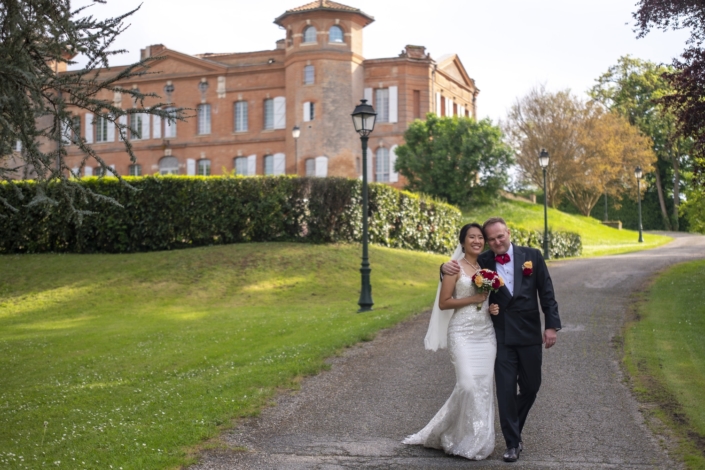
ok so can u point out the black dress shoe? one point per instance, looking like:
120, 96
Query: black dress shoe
511, 455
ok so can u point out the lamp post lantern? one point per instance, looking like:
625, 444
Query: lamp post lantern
543, 162
639, 174
364, 117
295, 133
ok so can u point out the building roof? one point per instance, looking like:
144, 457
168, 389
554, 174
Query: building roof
324, 5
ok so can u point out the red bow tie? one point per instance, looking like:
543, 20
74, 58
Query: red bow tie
502, 259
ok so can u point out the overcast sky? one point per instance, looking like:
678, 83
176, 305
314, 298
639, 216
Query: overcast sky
507, 46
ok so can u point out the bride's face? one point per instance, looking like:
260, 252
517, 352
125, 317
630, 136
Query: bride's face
474, 241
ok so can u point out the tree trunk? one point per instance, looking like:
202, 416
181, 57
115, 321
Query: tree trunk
676, 191
662, 202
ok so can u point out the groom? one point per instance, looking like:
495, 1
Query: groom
518, 326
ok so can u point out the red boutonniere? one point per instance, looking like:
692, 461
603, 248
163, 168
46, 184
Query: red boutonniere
527, 269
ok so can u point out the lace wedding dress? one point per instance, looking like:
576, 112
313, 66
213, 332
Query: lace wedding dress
464, 426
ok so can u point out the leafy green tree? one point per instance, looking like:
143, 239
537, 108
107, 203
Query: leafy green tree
38, 40
635, 89
458, 159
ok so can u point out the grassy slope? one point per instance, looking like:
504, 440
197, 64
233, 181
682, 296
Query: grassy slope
130, 359
597, 239
665, 355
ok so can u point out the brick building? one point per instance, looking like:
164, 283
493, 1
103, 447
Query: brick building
245, 105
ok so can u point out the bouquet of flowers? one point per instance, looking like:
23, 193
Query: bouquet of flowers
488, 281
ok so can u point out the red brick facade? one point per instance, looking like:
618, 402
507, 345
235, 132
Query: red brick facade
320, 72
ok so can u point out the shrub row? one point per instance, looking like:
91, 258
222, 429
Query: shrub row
560, 244
164, 213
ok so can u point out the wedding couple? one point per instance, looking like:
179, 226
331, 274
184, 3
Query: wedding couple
500, 341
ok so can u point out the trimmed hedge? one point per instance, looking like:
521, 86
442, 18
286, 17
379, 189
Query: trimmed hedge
560, 244
180, 211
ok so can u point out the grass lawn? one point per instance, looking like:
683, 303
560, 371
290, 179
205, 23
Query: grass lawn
597, 239
131, 361
665, 356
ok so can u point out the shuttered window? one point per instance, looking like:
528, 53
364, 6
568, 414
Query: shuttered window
241, 116
269, 114
204, 119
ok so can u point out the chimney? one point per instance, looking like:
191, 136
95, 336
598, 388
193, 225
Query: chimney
281, 44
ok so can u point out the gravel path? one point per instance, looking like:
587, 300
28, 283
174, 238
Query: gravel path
356, 414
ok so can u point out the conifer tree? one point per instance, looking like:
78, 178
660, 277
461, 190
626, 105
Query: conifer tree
38, 39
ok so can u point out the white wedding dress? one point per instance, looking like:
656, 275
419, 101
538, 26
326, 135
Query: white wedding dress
464, 426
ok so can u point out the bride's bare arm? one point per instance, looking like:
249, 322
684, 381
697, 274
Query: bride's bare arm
446, 300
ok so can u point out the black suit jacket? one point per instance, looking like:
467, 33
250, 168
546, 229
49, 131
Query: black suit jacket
519, 319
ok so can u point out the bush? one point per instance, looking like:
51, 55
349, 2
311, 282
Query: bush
560, 244
164, 213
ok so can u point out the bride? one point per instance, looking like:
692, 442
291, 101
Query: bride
464, 426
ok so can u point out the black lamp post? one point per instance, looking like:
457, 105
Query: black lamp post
295, 133
639, 174
543, 162
364, 120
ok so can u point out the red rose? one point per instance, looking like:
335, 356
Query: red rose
527, 271
487, 274
496, 284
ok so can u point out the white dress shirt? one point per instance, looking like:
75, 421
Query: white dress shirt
507, 270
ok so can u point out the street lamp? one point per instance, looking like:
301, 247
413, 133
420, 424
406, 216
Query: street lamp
364, 120
295, 133
543, 163
639, 174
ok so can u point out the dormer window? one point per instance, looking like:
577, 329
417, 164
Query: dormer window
310, 34
335, 34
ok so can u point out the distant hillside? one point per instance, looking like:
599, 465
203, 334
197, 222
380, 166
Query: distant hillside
597, 238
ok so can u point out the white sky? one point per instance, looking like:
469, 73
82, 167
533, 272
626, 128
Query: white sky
507, 46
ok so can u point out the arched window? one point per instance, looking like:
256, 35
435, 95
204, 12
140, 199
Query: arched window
268, 165
382, 166
241, 166
135, 170
169, 166
308, 75
310, 34
204, 167
310, 167
335, 34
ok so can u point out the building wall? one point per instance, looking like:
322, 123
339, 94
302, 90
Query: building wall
342, 78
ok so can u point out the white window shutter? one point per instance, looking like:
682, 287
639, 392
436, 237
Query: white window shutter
74, 172
252, 165
156, 127
393, 175
88, 171
322, 167
145, 126
88, 134
368, 96
307, 111
280, 112
393, 104
438, 103
18, 146
190, 166
279, 164
123, 121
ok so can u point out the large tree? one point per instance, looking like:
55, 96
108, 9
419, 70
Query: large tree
544, 119
457, 159
635, 88
592, 151
38, 39
610, 149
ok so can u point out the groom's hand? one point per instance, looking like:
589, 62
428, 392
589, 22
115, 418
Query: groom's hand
450, 268
549, 337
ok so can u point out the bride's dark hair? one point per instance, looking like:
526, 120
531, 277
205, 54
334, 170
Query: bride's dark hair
464, 232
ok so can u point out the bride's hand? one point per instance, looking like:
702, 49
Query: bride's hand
494, 309
478, 298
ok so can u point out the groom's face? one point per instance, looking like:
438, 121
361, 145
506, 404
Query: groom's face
498, 238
